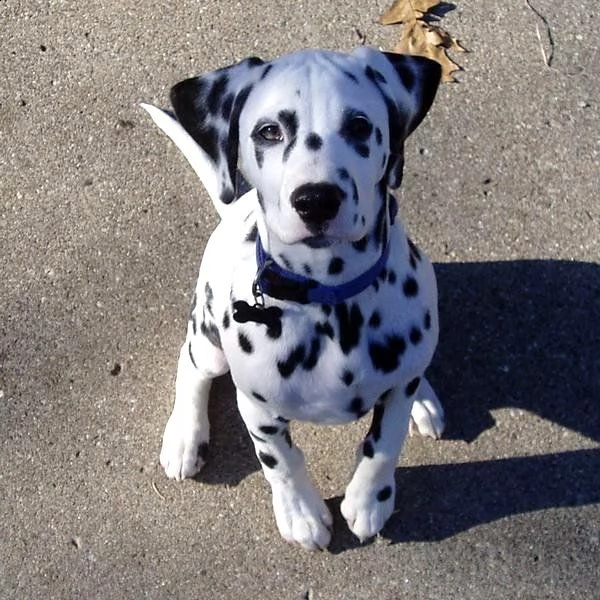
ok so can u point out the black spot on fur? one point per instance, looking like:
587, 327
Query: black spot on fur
209, 297
288, 366
211, 332
326, 308
354, 192
384, 494
286, 263
368, 449
374, 75
245, 343
255, 61
287, 437
343, 173
289, 120
307, 269
391, 277
193, 303
259, 155
410, 287
386, 356
350, 76
350, 325
313, 141
375, 320
193, 322
348, 377
325, 329
380, 225
267, 459
412, 386
378, 136
216, 93
336, 266
269, 429
415, 335
252, 234
233, 138
313, 354
266, 71
259, 397
191, 355
427, 321
375, 428
414, 254
274, 327
227, 195
356, 406
362, 150
227, 106
361, 245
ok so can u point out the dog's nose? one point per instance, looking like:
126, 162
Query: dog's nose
317, 203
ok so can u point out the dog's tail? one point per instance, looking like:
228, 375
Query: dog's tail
197, 158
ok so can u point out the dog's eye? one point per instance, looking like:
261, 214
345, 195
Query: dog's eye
270, 132
358, 127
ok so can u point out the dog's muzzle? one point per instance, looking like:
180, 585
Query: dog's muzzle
316, 204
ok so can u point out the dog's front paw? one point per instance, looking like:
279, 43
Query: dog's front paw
427, 415
184, 449
301, 515
367, 507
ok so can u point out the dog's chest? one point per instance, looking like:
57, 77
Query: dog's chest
330, 364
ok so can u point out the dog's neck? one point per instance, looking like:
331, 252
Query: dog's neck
338, 263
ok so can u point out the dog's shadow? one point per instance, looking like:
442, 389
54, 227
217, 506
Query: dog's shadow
517, 334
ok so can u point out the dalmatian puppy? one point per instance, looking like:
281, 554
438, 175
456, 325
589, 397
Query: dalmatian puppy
309, 291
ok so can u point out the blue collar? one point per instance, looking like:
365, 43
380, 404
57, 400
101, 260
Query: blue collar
272, 280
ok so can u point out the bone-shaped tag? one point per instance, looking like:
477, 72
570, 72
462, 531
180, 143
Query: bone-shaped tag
269, 316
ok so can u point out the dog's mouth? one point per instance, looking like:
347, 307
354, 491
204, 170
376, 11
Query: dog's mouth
318, 241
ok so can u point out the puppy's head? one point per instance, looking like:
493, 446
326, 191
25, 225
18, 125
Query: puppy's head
319, 134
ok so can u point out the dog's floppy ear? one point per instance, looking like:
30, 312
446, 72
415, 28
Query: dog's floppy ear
209, 106
408, 84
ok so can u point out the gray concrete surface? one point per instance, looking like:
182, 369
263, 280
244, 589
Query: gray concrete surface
102, 225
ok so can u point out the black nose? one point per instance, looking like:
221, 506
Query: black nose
317, 203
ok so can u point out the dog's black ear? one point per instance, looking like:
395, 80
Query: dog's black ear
420, 77
209, 106
408, 85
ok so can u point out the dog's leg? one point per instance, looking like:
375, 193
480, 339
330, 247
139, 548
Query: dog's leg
369, 498
301, 515
185, 440
427, 415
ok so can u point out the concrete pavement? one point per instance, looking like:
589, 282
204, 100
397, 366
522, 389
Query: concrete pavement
102, 226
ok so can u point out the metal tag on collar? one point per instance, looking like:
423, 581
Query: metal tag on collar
259, 313
257, 292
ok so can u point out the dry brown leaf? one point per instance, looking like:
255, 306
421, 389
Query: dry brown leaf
420, 37
403, 11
